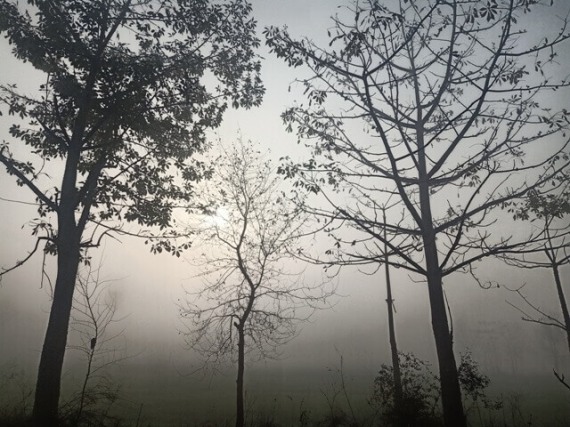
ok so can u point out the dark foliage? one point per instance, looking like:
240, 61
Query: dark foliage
130, 89
421, 403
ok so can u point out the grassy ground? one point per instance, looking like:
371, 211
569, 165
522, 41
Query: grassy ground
300, 398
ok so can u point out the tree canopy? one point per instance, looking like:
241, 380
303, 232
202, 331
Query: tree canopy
251, 301
443, 109
130, 89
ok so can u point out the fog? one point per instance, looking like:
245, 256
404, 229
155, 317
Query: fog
157, 375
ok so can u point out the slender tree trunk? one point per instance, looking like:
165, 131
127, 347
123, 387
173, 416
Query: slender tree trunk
453, 415
450, 391
240, 415
84, 387
562, 299
398, 392
53, 351
45, 411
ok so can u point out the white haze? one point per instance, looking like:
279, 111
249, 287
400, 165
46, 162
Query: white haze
148, 287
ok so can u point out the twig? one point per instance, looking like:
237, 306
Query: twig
561, 378
21, 262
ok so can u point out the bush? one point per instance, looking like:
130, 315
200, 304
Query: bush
420, 400
420, 406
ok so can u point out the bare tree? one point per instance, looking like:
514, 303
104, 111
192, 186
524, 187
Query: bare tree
364, 252
95, 322
437, 104
252, 301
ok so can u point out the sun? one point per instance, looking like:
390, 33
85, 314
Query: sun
218, 219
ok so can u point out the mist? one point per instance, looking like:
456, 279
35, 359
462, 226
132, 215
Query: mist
334, 358
158, 379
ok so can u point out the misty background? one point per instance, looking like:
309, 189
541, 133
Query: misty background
156, 379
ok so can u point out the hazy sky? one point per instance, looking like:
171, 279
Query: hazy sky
149, 286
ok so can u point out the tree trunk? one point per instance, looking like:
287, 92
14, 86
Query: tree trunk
449, 379
398, 392
53, 351
453, 415
68, 253
562, 300
240, 415
84, 387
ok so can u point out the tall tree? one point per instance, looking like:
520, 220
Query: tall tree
364, 251
439, 104
130, 87
252, 300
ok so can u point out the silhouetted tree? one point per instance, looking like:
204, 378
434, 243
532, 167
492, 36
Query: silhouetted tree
363, 252
130, 87
398, 388
437, 104
252, 300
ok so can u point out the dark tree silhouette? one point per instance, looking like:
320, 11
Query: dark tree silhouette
367, 253
438, 104
130, 87
398, 390
252, 301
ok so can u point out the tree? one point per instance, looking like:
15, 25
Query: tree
398, 388
130, 87
378, 256
549, 210
438, 104
251, 301
346, 253
93, 319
